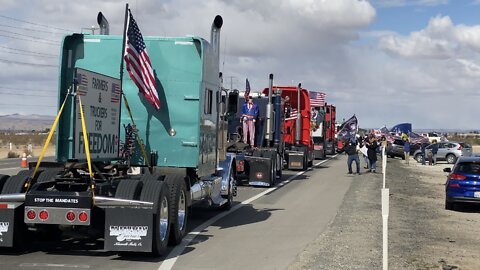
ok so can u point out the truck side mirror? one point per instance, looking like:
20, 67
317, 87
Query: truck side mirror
232, 102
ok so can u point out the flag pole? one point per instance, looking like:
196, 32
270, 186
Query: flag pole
123, 46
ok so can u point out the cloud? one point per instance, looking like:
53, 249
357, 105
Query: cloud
402, 3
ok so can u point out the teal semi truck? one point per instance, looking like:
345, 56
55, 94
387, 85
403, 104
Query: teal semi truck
132, 206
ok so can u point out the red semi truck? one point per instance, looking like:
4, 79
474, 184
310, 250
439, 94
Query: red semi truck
323, 131
298, 143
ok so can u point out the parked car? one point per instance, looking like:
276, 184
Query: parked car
449, 151
463, 182
395, 149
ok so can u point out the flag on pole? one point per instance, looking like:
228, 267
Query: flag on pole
317, 99
348, 130
138, 63
247, 89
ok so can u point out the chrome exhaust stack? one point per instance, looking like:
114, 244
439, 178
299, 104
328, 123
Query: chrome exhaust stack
103, 23
298, 124
215, 35
269, 133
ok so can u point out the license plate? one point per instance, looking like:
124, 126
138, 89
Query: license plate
476, 194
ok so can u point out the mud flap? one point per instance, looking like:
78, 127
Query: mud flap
128, 229
260, 171
295, 160
11, 222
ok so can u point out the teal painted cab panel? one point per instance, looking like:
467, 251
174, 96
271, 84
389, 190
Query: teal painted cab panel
187, 83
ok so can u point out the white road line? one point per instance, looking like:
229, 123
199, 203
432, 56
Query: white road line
50, 265
2, 169
172, 257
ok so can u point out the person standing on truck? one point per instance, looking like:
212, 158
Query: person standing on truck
352, 152
249, 117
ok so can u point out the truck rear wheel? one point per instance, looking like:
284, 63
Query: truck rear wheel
15, 184
48, 175
128, 189
157, 192
178, 207
3, 179
279, 165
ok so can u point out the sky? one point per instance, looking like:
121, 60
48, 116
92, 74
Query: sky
386, 61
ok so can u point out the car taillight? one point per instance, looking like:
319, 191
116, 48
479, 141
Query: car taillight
455, 176
43, 215
83, 217
70, 216
31, 214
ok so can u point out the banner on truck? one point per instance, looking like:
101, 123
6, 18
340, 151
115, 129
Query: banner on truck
100, 96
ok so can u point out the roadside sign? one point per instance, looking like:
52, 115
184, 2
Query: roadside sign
100, 96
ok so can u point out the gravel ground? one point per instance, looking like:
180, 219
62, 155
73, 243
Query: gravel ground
422, 234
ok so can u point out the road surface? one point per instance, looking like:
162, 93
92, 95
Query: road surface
267, 231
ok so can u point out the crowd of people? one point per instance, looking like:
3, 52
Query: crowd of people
369, 146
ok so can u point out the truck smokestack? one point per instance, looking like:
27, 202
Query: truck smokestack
215, 34
298, 124
269, 132
103, 23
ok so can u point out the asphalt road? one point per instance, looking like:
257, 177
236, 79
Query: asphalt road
266, 229
11, 166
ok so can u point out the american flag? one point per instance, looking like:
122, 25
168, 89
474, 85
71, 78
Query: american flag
317, 99
82, 84
138, 63
115, 97
293, 114
247, 89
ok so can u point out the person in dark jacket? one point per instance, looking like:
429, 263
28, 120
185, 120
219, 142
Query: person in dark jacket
352, 152
422, 148
372, 153
406, 151
434, 152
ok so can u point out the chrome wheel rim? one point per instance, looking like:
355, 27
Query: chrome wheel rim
163, 219
182, 206
451, 159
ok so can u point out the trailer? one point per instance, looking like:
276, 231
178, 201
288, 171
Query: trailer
298, 142
101, 185
262, 164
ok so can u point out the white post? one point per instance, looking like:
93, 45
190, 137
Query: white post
10, 144
384, 165
385, 210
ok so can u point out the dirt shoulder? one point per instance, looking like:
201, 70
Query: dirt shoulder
36, 150
422, 234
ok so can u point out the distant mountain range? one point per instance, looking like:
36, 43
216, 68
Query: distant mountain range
19, 122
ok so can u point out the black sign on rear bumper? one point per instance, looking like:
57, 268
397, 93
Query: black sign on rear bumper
129, 229
10, 218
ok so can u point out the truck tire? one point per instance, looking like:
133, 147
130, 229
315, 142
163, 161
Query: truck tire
26, 172
47, 175
15, 184
305, 159
273, 171
228, 205
279, 164
128, 189
157, 192
178, 207
3, 179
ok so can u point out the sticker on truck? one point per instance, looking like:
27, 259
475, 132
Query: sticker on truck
100, 96
3, 229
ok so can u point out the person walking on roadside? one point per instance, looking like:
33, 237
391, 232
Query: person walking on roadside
361, 145
434, 152
406, 151
422, 148
352, 152
372, 153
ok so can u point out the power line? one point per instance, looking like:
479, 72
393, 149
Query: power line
37, 24
31, 105
27, 95
23, 35
31, 40
26, 64
32, 52
28, 54
30, 29
13, 88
